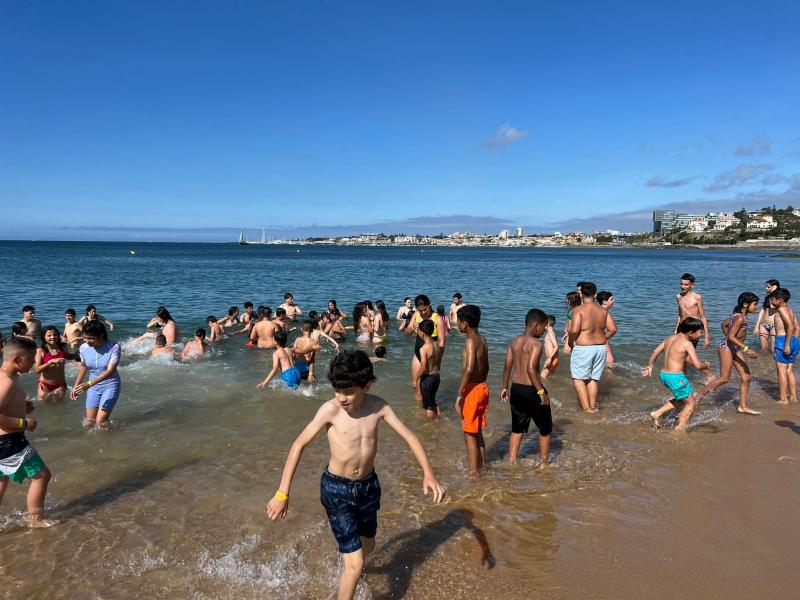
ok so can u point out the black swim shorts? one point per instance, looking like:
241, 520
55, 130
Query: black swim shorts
352, 508
428, 386
526, 404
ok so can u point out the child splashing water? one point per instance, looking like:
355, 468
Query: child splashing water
733, 349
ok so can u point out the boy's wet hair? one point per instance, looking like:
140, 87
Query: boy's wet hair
351, 368
18, 347
18, 328
233, 310
745, 299
457, 295
423, 300
28, 308
161, 340
602, 297
588, 289
427, 327
89, 308
264, 312
781, 294
287, 295
71, 311
307, 326
551, 319
687, 277
573, 299
380, 352
201, 333
248, 304
59, 345
470, 314
211, 319
690, 325
280, 338
280, 312
534, 316
95, 329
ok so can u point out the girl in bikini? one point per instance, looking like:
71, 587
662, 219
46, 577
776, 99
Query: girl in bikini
362, 324
732, 350
573, 301
381, 323
49, 363
765, 324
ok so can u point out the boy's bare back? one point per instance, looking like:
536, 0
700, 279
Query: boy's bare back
787, 323
589, 320
526, 352
475, 363
12, 400
677, 352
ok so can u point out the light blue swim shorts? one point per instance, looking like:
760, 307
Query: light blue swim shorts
677, 383
588, 362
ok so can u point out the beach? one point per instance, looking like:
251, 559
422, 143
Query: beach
170, 503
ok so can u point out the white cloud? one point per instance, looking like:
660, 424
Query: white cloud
663, 182
758, 146
506, 135
739, 176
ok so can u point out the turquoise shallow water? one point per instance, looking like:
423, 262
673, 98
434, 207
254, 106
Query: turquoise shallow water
171, 500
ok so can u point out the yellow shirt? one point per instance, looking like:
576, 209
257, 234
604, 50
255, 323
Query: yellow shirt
435, 317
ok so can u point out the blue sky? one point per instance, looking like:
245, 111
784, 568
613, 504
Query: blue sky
133, 119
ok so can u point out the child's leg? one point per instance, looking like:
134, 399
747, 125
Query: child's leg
744, 386
473, 452
353, 568
513, 446
414, 369
102, 418
684, 416
656, 414
91, 416
725, 366
41, 392
544, 449
3, 486
763, 336
783, 383
609, 356
582, 392
36, 495
481, 450
593, 388
792, 383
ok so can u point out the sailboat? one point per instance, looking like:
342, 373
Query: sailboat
242, 240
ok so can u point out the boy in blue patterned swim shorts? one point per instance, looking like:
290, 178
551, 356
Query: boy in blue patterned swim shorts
678, 350
349, 489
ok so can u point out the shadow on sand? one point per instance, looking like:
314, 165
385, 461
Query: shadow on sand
400, 556
789, 425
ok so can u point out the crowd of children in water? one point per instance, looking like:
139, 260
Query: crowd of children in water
350, 488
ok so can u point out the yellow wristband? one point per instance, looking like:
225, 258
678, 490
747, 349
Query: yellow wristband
541, 392
22, 424
281, 496
745, 348
90, 383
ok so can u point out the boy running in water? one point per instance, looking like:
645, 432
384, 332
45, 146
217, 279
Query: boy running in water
786, 344
351, 492
678, 350
529, 399
18, 460
473, 393
550, 348
690, 304
283, 363
305, 351
427, 379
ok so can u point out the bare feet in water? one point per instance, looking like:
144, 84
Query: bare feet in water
656, 420
744, 410
37, 523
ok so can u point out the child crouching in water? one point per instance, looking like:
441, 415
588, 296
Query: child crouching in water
350, 490
678, 350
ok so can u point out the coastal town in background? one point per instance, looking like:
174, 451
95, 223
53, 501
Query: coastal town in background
766, 227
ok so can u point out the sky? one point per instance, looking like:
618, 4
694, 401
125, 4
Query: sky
190, 120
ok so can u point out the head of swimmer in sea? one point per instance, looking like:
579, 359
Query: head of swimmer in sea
280, 338
687, 283
469, 317
424, 308
551, 320
351, 376
248, 307
692, 327
573, 299
331, 304
409, 302
426, 328
307, 327
161, 341
163, 315
746, 303
91, 312
28, 312
578, 287
779, 297
69, 315
280, 314
605, 299
770, 286
20, 353
289, 299
95, 334
51, 338
233, 311
200, 334
535, 322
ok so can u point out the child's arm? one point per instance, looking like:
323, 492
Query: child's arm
186, 349
733, 341
330, 339
107, 322
154, 322
535, 377
423, 367
253, 334
788, 328
277, 506
678, 318
38, 363
648, 370
12, 423
429, 481
702, 312
276, 366
611, 327
574, 327
507, 374
691, 358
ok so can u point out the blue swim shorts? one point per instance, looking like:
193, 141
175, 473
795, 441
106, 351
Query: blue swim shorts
677, 383
104, 395
780, 345
291, 377
302, 368
588, 362
352, 508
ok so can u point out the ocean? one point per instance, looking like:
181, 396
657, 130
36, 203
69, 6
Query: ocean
170, 503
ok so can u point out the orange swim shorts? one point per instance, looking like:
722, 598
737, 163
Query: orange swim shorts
476, 403
553, 365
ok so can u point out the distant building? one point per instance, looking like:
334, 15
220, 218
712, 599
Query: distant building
520, 232
504, 234
663, 221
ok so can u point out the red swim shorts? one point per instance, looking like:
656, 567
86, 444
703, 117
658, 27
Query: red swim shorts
476, 403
